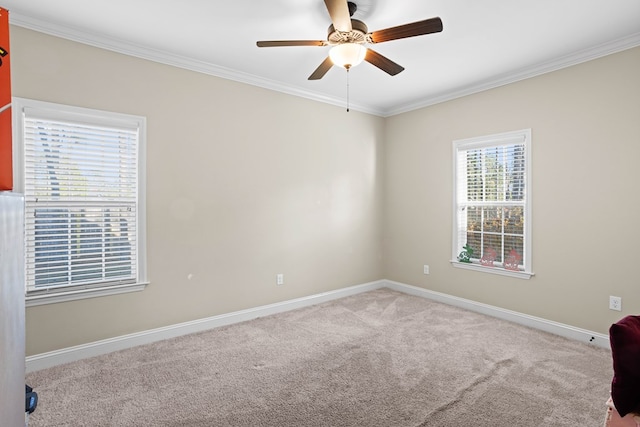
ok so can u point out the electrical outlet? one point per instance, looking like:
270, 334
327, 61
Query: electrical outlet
426, 269
280, 279
615, 303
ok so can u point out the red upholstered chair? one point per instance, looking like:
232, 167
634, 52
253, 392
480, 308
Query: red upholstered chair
624, 405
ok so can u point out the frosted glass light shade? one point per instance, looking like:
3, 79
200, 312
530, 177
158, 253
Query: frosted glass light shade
347, 55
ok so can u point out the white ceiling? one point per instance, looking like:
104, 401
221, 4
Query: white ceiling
484, 44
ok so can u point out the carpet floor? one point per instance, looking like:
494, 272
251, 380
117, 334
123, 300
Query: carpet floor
381, 358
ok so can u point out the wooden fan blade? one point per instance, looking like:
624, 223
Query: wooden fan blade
339, 13
382, 62
428, 26
321, 70
279, 43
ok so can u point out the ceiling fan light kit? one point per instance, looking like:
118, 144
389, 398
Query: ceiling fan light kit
347, 55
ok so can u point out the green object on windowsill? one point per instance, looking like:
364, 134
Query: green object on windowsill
465, 255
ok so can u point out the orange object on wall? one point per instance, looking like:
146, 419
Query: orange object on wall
6, 169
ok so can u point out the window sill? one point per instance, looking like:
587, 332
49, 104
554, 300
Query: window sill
56, 297
492, 270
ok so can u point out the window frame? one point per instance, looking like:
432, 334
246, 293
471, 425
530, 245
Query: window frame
95, 117
489, 141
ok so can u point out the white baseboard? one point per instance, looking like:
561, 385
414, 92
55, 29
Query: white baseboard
567, 331
83, 351
71, 354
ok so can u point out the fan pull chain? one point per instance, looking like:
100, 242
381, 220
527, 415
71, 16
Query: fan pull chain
348, 89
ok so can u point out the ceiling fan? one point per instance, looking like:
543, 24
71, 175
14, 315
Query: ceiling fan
348, 37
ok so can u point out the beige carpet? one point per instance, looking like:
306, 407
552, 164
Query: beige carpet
381, 358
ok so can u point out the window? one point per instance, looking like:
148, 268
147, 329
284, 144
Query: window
492, 220
82, 175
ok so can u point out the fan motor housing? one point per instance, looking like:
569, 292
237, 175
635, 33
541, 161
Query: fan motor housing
358, 33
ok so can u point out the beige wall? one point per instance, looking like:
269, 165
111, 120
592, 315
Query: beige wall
585, 123
243, 183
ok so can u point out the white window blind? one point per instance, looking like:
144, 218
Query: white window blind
492, 209
81, 182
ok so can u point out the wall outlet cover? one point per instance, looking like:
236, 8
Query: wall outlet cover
615, 303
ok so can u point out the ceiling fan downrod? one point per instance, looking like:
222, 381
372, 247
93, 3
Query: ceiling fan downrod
352, 7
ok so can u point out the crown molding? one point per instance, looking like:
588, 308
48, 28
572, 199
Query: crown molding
575, 58
131, 49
